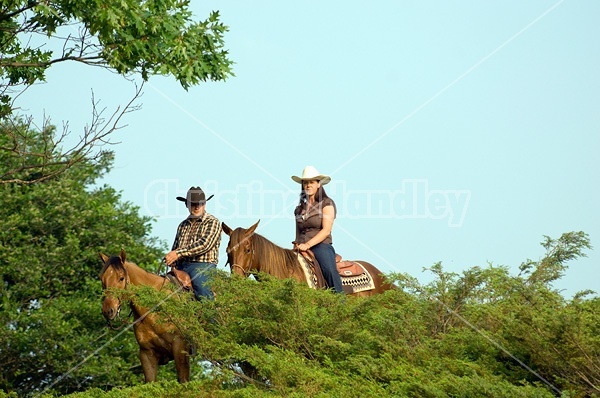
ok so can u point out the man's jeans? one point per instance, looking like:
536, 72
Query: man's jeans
200, 273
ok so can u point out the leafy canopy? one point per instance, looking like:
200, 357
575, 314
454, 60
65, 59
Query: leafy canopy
130, 37
146, 37
50, 319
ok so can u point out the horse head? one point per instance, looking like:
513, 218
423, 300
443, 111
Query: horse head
113, 276
239, 249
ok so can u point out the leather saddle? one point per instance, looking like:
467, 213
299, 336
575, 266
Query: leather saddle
181, 278
348, 268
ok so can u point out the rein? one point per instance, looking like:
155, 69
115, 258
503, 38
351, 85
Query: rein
124, 321
233, 266
163, 261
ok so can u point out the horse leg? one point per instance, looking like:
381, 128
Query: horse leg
149, 364
181, 356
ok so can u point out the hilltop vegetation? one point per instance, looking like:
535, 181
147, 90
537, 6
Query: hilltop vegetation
483, 332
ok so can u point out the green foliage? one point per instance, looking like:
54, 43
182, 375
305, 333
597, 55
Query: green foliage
484, 332
50, 235
62, 341
22, 150
568, 247
149, 37
54, 230
295, 341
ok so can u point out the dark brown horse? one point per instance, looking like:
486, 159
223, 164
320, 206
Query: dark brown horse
249, 252
159, 342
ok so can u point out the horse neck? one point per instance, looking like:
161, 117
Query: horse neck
273, 260
139, 276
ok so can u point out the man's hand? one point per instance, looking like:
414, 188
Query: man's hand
171, 257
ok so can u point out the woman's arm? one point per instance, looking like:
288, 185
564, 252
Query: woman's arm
326, 226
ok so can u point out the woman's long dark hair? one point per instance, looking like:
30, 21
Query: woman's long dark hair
320, 195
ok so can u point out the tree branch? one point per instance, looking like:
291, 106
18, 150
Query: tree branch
33, 164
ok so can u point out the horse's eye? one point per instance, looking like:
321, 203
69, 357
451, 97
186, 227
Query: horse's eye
121, 279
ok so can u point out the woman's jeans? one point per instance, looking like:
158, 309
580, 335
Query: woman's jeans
200, 273
325, 255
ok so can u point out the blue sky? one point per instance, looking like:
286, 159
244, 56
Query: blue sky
455, 131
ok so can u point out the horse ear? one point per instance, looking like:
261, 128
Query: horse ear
226, 229
250, 230
123, 256
103, 257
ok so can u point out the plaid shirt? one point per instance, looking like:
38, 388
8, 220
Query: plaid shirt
198, 240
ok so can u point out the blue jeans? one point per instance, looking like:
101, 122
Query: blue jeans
200, 273
325, 255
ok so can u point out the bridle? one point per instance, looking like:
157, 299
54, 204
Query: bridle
234, 266
245, 272
123, 321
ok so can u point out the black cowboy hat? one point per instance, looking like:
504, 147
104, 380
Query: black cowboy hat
195, 195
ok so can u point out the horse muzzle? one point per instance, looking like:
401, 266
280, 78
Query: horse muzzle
110, 309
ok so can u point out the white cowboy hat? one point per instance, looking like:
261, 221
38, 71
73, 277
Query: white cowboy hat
310, 173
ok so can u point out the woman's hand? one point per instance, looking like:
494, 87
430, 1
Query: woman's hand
303, 247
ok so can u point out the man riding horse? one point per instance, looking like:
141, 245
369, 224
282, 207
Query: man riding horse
196, 246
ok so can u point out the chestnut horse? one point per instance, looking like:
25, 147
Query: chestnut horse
249, 252
160, 341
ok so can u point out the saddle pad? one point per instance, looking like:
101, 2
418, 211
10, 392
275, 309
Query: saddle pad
359, 283
309, 274
355, 277
351, 284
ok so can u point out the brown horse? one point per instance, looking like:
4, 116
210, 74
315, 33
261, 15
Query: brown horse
159, 342
248, 251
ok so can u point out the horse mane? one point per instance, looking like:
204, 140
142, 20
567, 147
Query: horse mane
113, 261
276, 260
117, 264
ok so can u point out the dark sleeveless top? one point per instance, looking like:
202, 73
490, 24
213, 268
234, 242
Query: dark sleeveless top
308, 224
